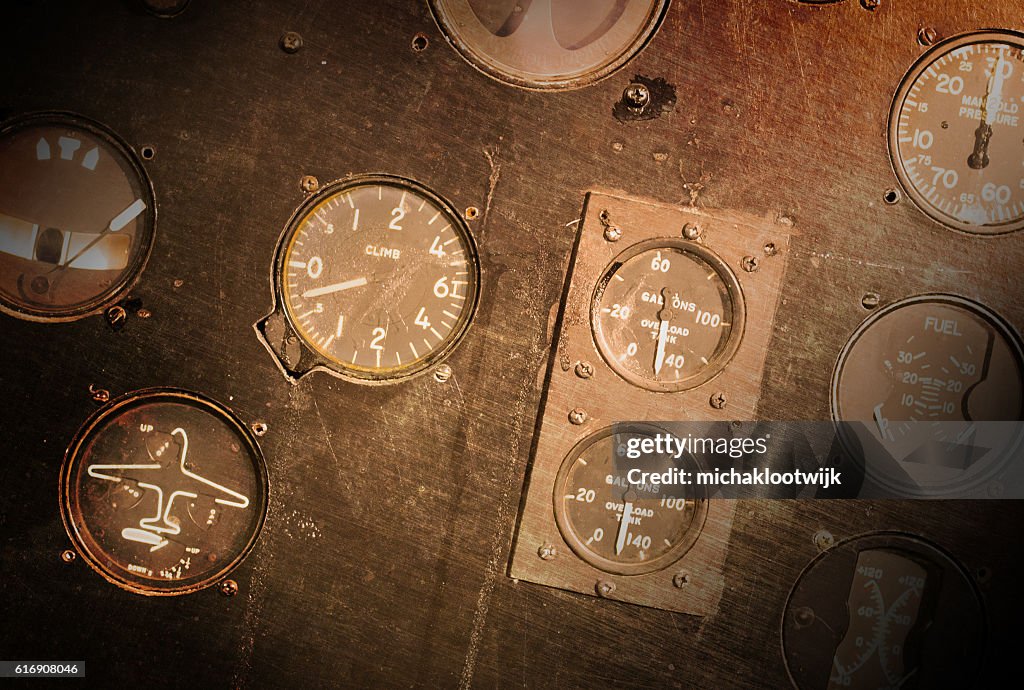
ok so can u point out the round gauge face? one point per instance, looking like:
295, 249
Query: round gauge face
163, 492
548, 44
917, 374
877, 610
667, 315
77, 217
379, 277
621, 526
956, 132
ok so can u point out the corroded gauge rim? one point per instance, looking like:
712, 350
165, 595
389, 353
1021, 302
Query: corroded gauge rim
893, 541
325, 361
721, 359
565, 527
1000, 325
108, 414
480, 62
131, 275
917, 69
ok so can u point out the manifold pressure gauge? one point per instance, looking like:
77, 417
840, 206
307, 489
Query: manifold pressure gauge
548, 44
956, 132
622, 526
77, 217
377, 279
667, 314
163, 492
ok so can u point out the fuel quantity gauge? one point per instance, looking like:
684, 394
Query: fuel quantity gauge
667, 314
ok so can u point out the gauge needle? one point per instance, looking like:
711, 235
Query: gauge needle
665, 315
336, 287
620, 540
990, 103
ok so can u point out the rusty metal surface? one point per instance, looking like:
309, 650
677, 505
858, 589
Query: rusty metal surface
392, 509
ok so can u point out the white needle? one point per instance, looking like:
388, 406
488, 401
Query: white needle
995, 96
659, 358
336, 287
128, 215
620, 541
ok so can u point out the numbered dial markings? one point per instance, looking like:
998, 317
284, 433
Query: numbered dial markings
667, 315
76, 217
380, 277
163, 492
956, 133
621, 526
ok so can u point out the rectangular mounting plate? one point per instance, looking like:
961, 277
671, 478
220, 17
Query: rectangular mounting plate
737, 238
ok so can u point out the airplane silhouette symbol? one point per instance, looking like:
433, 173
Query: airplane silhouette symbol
151, 529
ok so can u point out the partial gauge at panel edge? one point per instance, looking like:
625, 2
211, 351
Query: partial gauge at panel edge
377, 278
956, 132
163, 491
546, 45
880, 609
668, 314
619, 526
77, 217
933, 380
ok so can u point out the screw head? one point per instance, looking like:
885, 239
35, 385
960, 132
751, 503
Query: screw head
636, 96
584, 370
259, 428
770, 249
604, 588
870, 300
823, 539
612, 233
680, 580
100, 395
68, 556
309, 184
717, 400
472, 213
691, 231
750, 264
927, 36
577, 416
291, 42
442, 373
547, 552
871, 5
116, 317
228, 588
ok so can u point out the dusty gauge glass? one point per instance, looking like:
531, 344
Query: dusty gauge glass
956, 132
163, 492
917, 374
77, 217
548, 44
667, 315
620, 526
377, 277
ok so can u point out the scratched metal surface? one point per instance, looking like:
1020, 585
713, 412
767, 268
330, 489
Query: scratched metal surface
392, 513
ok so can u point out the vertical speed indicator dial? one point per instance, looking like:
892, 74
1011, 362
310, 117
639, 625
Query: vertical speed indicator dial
667, 314
956, 132
379, 276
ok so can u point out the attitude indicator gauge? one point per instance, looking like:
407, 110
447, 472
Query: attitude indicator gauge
378, 277
622, 526
883, 610
548, 44
956, 132
163, 492
77, 217
667, 314
918, 374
